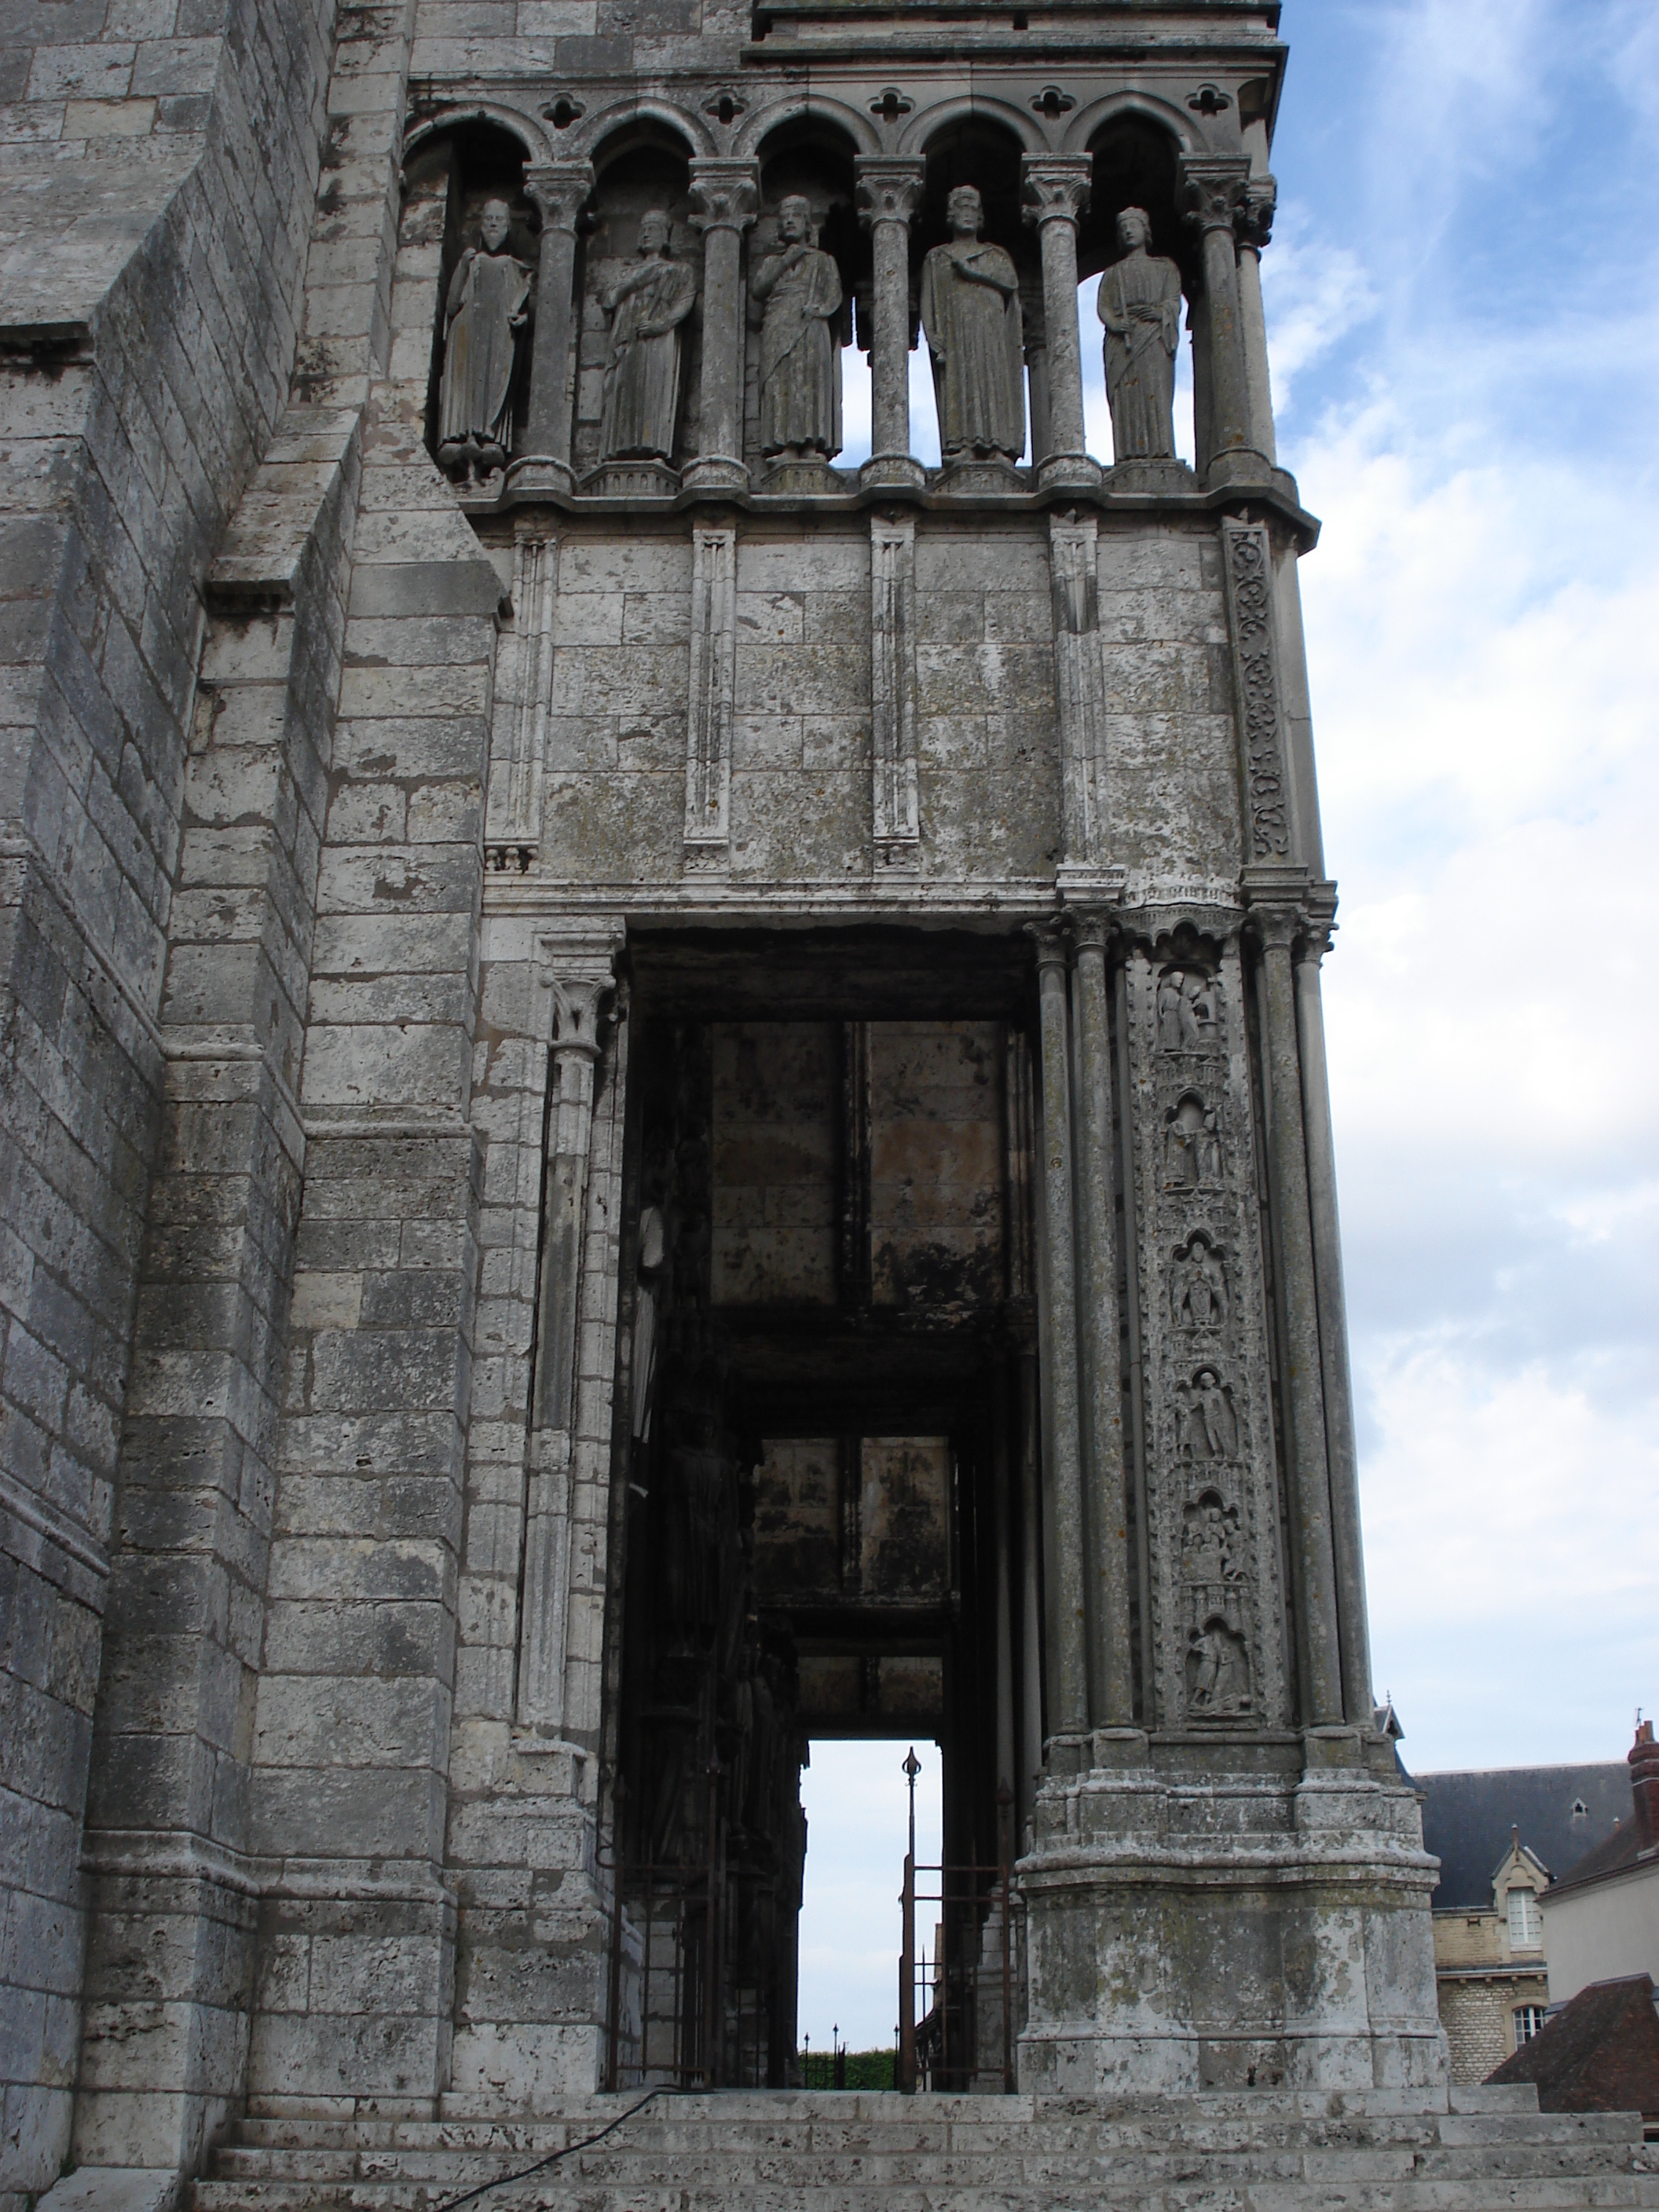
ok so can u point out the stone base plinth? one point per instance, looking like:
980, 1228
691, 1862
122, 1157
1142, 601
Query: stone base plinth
1202, 1917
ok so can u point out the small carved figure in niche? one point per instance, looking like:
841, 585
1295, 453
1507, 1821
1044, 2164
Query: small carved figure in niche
1140, 303
799, 287
1198, 1285
1206, 1427
487, 307
970, 311
1188, 1011
651, 1266
647, 304
1218, 1672
1192, 1146
1209, 1542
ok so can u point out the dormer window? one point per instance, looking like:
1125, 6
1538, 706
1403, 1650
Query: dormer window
1526, 1922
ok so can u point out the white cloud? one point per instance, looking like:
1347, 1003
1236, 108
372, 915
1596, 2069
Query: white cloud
1483, 625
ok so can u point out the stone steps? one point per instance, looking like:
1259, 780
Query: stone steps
853, 2152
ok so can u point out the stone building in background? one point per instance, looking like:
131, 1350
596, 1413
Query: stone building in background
659, 1097
1502, 1835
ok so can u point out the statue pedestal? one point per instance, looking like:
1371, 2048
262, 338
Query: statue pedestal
1143, 474
979, 479
802, 476
1208, 1913
634, 479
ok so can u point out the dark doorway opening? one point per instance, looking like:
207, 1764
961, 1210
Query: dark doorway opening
828, 1486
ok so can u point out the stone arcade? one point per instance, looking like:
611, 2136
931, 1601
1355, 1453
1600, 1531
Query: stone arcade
662, 1097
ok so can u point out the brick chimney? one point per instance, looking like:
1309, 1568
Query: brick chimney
1644, 1782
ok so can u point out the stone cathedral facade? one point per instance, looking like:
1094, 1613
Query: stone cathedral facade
662, 1094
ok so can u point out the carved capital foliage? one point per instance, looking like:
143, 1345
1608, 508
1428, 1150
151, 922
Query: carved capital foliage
887, 190
560, 191
1054, 187
1256, 218
1047, 943
1213, 189
725, 194
1094, 929
575, 971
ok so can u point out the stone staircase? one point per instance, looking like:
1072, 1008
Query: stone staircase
1261, 2151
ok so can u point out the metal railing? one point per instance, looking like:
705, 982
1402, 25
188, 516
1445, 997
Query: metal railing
956, 2025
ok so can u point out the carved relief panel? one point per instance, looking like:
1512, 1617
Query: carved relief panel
1212, 1486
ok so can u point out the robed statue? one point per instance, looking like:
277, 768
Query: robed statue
799, 288
970, 311
647, 304
487, 307
1139, 302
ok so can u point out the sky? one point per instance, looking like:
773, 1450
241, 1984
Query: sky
1462, 296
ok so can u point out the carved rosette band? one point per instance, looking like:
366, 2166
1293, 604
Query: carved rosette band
1248, 558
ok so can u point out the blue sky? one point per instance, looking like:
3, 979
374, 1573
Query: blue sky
1462, 303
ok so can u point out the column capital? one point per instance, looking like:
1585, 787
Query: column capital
1094, 929
1319, 920
559, 191
1213, 190
725, 194
1253, 223
1054, 187
1049, 940
889, 188
576, 971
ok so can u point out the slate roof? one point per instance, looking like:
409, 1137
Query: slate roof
1600, 2053
1468, 1818
1626, 1847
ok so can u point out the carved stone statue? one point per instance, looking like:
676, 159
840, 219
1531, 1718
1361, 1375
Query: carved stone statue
970, 311
1188, 1011
1139, 302
1197, 1286
799, 287
1192, 1146
653, 1258
1218, 1672
1206, 1427
487, 307
647, 304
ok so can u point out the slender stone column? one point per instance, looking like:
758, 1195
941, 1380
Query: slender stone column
1255, 228
1111, 1678
1312, 1558
724, 197
889, 194
1030, 1592
1002, 1541
561, 191
1068, 1695
577, 985
1056, 191
1212, 193
1353, 1628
